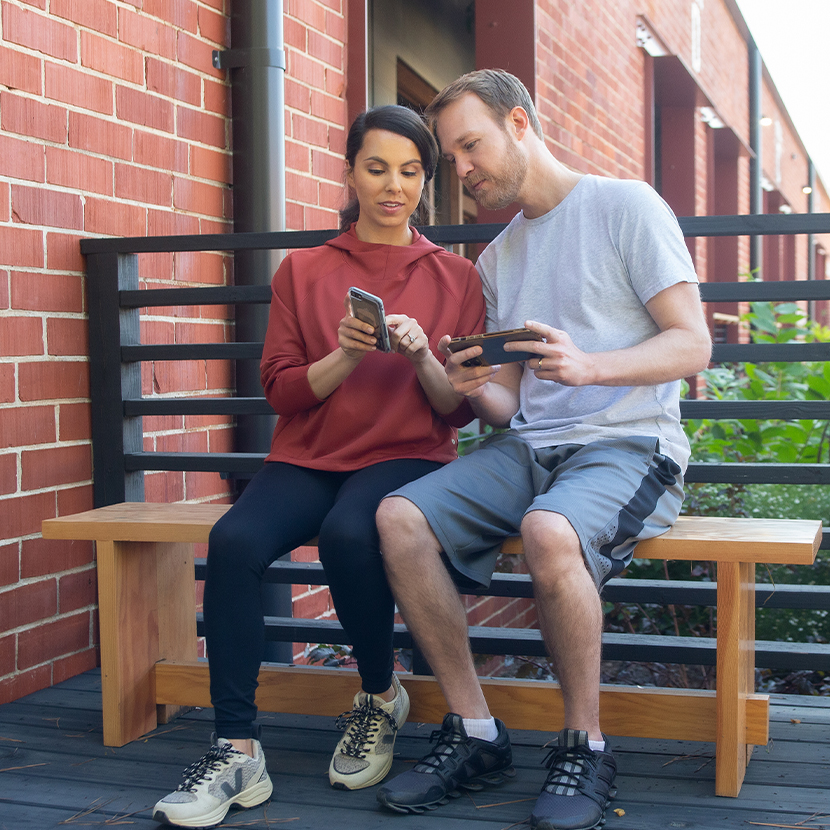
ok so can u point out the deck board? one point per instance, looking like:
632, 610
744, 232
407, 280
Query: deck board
55, 736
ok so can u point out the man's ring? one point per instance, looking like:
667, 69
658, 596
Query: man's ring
539, 366
411, 338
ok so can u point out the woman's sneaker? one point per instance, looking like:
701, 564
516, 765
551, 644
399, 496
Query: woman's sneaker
579, 785
455, 762
364, 754
220, 778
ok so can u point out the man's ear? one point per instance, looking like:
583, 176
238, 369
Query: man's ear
518, 122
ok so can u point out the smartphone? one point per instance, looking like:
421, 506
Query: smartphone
369, 309
492, 343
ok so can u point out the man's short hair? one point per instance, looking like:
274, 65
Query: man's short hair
499, 91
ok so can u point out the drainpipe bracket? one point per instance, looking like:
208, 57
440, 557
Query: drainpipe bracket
239, 58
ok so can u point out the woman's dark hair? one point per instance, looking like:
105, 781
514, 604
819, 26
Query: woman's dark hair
401, 121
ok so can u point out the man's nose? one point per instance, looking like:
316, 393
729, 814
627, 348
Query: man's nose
463, 167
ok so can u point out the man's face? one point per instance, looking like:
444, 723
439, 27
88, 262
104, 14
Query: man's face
487, 158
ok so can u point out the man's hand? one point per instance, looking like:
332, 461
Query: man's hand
558, 358
468, 381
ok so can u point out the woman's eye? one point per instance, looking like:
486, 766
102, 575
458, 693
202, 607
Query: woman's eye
410, 174
375, 172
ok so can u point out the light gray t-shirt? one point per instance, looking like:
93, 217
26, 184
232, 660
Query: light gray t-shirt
588, 267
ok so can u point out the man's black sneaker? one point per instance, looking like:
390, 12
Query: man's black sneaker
456, 761
579, 785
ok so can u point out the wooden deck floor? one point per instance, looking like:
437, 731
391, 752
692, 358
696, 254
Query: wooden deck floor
55, 773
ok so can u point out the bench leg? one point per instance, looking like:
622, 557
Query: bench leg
735, 672
147, 612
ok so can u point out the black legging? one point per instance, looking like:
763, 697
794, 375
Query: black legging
281, 508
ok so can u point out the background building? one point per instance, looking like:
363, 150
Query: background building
114, 121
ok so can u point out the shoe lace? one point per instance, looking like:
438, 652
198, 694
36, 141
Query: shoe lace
448, 742
570, 767
211, 761
362, 726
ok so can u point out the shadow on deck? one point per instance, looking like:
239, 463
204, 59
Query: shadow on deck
56, 773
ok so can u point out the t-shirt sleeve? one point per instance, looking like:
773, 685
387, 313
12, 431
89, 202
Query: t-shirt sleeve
651, 244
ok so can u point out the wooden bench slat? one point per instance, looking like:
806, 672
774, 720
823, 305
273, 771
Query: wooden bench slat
783, 541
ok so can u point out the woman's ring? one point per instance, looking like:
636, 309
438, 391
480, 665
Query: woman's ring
538, 368
411, 338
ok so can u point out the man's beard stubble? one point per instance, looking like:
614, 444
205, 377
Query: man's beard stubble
505, 184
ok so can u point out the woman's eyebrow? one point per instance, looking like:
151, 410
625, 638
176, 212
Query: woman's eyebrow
379, 160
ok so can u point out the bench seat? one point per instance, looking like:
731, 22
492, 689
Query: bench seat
148, 636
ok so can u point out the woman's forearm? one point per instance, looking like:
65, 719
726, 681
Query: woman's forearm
329, 372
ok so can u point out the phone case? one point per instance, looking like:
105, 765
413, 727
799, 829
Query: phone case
369, 308
492, 344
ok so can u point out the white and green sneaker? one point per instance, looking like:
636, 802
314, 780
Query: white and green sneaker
364, 753
222, 777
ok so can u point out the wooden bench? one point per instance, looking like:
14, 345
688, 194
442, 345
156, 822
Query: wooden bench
149, 666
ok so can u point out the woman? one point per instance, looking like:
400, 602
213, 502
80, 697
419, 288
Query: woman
354, 424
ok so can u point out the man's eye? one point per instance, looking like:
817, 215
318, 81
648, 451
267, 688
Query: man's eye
470, 146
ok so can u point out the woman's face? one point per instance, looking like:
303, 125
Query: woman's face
387, 179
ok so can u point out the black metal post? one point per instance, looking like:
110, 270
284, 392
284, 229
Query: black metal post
756, 195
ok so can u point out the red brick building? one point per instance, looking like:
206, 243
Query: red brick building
114, 121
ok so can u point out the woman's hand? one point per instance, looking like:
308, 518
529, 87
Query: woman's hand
355, 337
408, 338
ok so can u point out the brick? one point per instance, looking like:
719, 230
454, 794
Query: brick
74, 664
52, 208
53, 380
304, 69
217, 95
208, 269
26, 426
25, 683
21, 336
5, 213
78, 88
99, 15
181, 376
98, 135
21, 159
54, 639
298, 157
7, 393
8, 484
46, 292
74, 422
325, 49
225, 225
214, 27
163, 487
327, 166
137, 184
297, 96
202, 127
147, 34
183, 442
220, 375
42, 557
21, 247
173, 82
335, 25
111, 58
295, 34
77, 590
39, 32
67, 337
63, 253
197, 197
32, 118
204, 485
181, 13
20, 71
8, 654
196, 53
300, 188
140, 108
29, 603
107, 218
214, 165
328, 107
153, 150
73, 500
332, 195
309, 131
165, 223
69, 168
309, 11
56, 466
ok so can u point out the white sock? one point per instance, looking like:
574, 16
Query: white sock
484, 728
597, 746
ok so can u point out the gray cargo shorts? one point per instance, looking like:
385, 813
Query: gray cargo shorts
614, 493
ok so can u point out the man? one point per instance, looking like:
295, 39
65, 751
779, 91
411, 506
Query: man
594, 457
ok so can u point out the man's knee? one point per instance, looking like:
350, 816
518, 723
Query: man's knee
402, 528
550, 543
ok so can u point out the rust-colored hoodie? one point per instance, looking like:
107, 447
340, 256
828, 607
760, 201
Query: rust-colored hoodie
380, 411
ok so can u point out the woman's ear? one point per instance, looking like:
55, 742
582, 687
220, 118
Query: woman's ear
350, 176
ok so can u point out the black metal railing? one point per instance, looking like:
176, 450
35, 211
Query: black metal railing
118, 407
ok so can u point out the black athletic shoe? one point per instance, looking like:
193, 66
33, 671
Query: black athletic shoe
578, 787
456, 761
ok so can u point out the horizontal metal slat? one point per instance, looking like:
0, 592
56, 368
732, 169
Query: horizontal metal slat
784, 291
770, 353
201, 462
772, 473
207, 295
756, 410
192, 351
